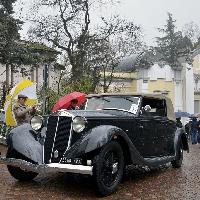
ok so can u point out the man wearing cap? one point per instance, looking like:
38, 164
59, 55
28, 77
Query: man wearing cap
22, 112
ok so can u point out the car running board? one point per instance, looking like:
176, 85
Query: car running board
154, 162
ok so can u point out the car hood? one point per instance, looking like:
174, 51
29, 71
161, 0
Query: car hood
97, 113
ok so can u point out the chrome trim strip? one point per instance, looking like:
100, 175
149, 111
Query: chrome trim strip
70, 136
54, 138
47, 168
86, 105
117, 109
65, 113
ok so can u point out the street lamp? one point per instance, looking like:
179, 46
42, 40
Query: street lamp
45, 86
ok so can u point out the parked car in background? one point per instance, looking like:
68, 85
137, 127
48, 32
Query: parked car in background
113, 131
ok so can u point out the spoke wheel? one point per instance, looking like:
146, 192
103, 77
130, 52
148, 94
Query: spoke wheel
108, 168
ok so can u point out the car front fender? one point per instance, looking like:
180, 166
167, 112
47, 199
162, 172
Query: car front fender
100, 136
23, 141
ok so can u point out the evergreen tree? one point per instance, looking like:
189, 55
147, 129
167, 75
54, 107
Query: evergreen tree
7, 5
173, 45
9, 34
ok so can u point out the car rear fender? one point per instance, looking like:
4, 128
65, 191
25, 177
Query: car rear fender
180, 136
23, 141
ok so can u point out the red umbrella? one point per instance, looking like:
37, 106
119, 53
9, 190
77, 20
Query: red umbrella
64, 102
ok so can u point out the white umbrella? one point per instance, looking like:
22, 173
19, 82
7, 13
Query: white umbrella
25, 87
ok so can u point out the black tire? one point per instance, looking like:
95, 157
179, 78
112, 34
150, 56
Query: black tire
177, 163
16, 172
108, 168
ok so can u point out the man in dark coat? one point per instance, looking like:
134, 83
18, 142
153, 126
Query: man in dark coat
194, 130
188, 129
178, 122
198, 128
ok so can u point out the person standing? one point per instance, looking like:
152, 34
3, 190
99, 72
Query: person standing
188, 129
198, 128
194, 130
179, 123
22, 112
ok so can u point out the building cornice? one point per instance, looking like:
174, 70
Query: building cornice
196, 92
196, 52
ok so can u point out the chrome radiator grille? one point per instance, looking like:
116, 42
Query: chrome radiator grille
57, 138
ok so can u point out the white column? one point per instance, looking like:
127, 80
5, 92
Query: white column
189, 98
178, 96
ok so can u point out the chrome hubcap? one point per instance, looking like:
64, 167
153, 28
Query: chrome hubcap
114, 168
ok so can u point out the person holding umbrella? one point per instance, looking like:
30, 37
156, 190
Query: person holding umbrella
73, 105
22, 112
70, 101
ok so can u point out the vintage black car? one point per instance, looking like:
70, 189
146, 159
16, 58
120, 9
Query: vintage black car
114, 130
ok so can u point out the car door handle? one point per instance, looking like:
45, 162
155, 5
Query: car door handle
144, 120
141, 126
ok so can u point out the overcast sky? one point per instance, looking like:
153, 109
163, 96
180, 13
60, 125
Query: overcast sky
151, 14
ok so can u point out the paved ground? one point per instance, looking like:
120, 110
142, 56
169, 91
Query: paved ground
165, 183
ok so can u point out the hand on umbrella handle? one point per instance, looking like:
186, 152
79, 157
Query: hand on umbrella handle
34, 108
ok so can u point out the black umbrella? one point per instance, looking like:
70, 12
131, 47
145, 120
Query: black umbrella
182, 114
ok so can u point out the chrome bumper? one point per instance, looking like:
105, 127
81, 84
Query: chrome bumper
46, 168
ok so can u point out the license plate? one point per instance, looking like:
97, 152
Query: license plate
74, 161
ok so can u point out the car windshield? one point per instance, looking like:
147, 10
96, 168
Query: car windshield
126, 103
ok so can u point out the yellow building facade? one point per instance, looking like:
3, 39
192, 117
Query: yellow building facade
176, 85
152, 86
196, 67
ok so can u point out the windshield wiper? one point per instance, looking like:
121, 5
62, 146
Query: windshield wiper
128, 99
105, 99
117, 109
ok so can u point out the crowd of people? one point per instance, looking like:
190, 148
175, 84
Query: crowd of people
192, 128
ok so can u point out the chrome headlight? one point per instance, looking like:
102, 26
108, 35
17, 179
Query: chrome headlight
36, 123
78, 124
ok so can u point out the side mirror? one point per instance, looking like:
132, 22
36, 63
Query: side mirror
147, 108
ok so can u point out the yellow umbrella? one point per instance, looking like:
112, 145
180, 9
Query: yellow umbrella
25, 87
